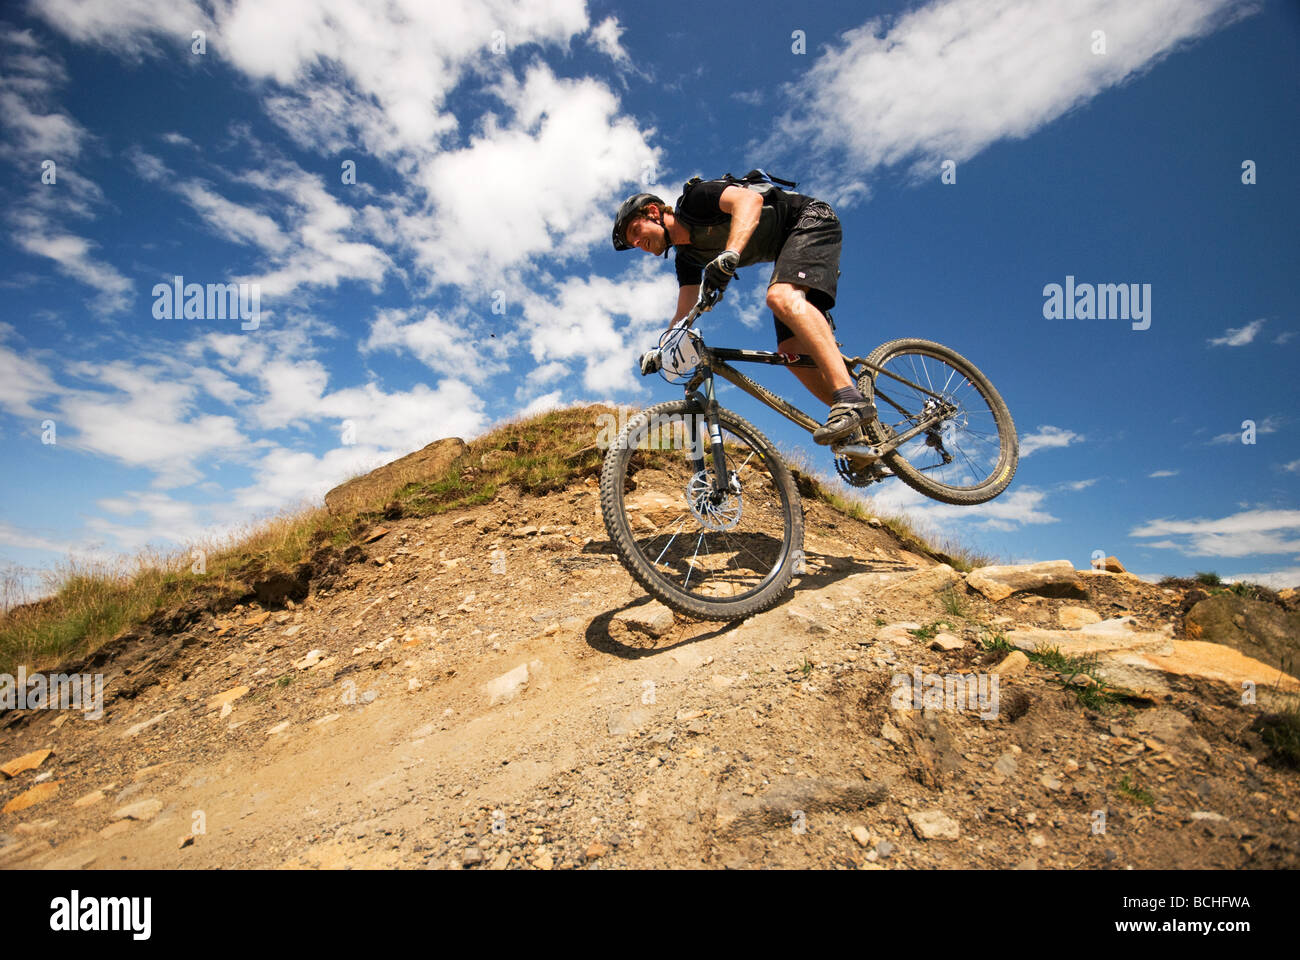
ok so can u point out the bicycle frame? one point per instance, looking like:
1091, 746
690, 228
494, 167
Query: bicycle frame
714, 361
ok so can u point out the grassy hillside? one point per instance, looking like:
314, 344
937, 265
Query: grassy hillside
90, 605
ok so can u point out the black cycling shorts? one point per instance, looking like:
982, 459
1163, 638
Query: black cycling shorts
810, 257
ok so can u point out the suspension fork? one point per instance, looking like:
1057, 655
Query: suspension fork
706, 415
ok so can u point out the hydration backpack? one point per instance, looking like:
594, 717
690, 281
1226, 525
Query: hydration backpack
755, 178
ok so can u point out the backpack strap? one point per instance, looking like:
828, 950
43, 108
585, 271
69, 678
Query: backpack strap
757, 176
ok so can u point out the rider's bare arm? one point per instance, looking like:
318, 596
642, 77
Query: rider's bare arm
744, 205
686, 297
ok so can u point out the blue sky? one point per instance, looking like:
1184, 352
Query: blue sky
466, 275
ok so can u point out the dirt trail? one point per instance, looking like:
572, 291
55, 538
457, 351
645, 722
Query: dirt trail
486, 693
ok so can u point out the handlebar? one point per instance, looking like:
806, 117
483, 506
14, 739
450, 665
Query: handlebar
705, 303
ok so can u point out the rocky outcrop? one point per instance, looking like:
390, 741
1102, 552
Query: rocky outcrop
1109, 636
423, 464
1196, 660
1261, 630
1054, 578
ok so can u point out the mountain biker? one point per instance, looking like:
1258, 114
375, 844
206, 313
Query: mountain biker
718, 226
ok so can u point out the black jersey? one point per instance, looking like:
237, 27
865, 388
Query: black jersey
700, 211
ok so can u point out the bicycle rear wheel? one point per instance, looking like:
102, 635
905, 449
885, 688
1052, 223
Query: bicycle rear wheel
968, 458
713, 558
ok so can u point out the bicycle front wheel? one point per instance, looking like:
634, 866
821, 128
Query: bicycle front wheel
708, 556
967, 458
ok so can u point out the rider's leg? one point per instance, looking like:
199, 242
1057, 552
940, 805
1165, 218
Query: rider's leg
812, 336
811, 377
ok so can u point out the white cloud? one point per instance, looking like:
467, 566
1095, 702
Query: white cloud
439, 343
37, 132
579, 324
1277, 579
1238, 535
220, 387
147, 166
1048, 436
747, 298
291, 391
1077, 485
604, 37
546, 372
1010, 511
536, 179
405, 57
947, 79
1292, 467
126, 27
146, 421
72, 256
537, 379
1163, 473
1238, 336
53, 136
541, 183
35, 128
315, 246
322, 252
234, 222
23, 539
547, 401
23, 382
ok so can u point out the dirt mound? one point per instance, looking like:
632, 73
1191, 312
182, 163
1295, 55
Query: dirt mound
485, 687
424, 464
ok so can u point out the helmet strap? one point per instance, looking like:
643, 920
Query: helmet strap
668, 241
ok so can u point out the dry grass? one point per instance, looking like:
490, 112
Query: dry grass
88, 603
538, 455
848, 501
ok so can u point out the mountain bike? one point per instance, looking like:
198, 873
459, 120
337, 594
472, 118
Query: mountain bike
705, 514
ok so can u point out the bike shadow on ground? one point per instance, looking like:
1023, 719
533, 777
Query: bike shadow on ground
822, 571
601, 640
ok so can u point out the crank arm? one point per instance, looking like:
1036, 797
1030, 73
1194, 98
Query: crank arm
870, 452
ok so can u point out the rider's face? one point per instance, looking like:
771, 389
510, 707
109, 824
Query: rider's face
646, 235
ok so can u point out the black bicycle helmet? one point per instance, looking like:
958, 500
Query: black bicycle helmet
627, 213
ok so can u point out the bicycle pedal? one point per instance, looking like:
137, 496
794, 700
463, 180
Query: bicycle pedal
858, 451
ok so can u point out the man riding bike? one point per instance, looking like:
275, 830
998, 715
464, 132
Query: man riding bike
718, 226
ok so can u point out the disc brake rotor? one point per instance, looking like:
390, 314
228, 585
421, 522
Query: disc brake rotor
724, 515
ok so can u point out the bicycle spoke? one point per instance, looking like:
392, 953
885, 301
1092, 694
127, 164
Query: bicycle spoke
690, 567
973, 441
731, 532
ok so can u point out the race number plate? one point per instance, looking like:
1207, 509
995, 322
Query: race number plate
678, 354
